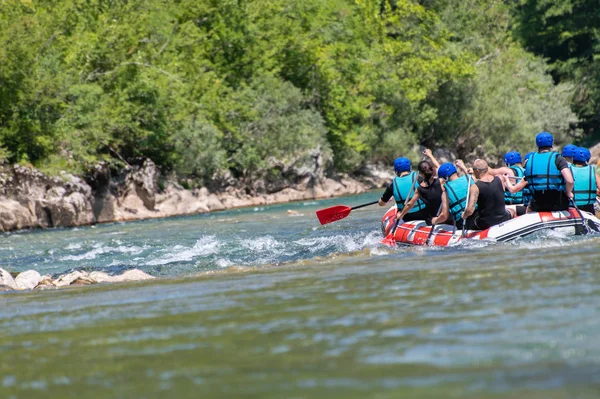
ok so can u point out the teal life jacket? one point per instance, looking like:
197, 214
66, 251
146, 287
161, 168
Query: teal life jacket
516, 198
404, 187
585, 185
456, 190
542, 174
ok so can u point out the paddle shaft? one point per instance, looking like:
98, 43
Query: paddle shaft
433, 225
583, 223
363, 205
466, 205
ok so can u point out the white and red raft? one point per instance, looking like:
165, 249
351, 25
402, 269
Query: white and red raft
417, 232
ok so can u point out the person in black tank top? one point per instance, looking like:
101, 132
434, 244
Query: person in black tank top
491, 208
429, 191
488, 194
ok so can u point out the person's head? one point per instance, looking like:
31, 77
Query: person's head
480, 168
426, 170
544, 141
587, 153
579, 157
402, 165
512, 157
568, 152
446, 171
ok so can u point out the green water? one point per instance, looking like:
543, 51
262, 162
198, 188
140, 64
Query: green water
256, 303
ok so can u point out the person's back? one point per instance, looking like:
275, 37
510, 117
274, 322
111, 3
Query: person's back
586, 184
486, 199
548, 177
490, 203
430, 191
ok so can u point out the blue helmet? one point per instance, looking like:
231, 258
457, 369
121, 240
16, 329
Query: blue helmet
569, 150
446, 170
587, 153
544, 139
402, 165
529, 154
512, 157
579, 155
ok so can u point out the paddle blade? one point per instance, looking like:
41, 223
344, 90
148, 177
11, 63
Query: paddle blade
332, 214
390, 241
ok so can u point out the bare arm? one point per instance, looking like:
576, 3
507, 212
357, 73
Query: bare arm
513, 188
461, 166
473, 196
444, 214
568, 176
501, 171
408, 206
434, 161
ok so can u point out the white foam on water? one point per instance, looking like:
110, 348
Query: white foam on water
341, 243
100, 250
223, 263
263, 244
73, 245
205, 246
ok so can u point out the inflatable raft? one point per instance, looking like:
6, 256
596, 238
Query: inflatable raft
417, 232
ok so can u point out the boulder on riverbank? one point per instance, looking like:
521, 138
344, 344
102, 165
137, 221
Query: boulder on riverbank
31, 279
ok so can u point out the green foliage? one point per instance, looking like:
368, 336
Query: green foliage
256, 88
567, 33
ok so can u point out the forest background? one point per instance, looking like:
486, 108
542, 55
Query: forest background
212, 90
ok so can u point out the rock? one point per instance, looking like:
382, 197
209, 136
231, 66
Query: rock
45, 282
28, 280
14, 216
67, 279
145, 183
132, 275
6, 279
129, 275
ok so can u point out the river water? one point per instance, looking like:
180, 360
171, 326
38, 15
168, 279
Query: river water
262, 303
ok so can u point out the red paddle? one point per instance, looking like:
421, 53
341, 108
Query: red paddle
338, 212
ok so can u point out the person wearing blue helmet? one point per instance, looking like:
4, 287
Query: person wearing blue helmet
568, 152
429, 191
548, 177
454, 196
513, 162
587, 185
402, 189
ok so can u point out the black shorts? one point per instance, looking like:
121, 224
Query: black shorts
483, 224
549, 201
423, 214
588, 208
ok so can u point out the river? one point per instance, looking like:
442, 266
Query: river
264, 303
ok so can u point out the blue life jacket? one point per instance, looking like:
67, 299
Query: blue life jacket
542, 174
456, 190
585, 185
516, 198
404, 187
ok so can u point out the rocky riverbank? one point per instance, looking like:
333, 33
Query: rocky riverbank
31, 279
29, 199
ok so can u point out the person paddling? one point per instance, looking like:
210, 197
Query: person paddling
402, 188
548, 177
587, 185
454, 195
488, 194
429, 192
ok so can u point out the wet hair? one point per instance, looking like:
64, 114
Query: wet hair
426, 169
